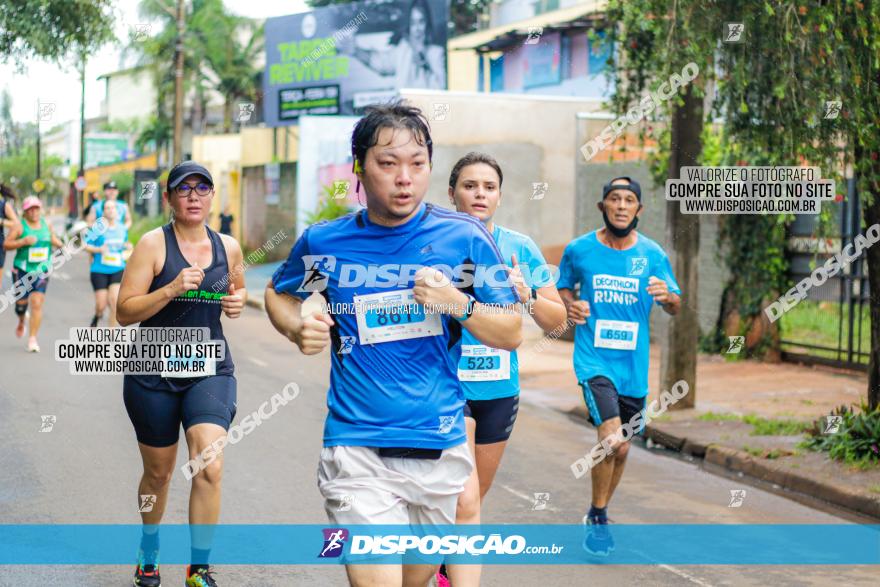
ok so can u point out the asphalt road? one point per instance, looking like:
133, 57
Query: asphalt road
87, 468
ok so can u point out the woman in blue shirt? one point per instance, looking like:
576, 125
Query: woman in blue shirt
490, 377
109, 252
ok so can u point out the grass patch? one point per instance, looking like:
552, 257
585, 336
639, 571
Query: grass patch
718, 417
874, 488
755, 452
142, 226
771, 427
819, 323
760, 426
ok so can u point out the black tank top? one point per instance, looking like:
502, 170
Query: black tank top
2, 218
195, 309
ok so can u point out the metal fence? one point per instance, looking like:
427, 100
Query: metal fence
832, 325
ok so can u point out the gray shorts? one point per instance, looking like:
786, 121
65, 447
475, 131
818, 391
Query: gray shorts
360, 487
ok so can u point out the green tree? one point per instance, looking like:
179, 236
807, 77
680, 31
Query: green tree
772, 91
52, 29
231, 59
797, 57
155, 53
220, 50
19, 170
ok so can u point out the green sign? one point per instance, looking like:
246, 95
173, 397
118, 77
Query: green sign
105, 150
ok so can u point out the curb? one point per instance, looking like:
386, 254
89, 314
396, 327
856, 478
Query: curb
742, 462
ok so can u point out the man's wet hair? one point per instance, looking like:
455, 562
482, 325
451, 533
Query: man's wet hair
397, 115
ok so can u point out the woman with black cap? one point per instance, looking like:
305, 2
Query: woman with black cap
168, 284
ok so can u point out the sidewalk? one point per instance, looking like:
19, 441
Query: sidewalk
255, 279
712, 430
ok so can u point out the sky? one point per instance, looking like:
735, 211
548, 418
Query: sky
60, 84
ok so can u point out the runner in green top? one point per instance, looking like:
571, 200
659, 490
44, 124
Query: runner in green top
33, 240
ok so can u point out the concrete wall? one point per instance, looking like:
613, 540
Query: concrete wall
520, 163
262, 220
534, 140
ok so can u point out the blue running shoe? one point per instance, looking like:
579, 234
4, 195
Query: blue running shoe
598, 540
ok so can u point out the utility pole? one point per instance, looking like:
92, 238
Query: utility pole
178, 85
82, 115
74, 210
39, 115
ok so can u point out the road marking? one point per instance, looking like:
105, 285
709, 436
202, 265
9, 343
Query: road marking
258, 362
675, 570
525, 497
669, 568
684, 575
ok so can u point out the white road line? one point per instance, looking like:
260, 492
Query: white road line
675, 570
258, 362
520, 495
684, 575
670, 568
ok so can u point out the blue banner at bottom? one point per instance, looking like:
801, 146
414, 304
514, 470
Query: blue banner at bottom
488, 544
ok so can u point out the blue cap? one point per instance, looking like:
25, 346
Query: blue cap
183, 170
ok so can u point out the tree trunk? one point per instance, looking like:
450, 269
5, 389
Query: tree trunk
679, 354
870, 203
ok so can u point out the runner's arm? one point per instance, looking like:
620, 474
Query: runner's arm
56, 242
13, 241
93, 249
672, 306
578, 310
234, 303
548, 309
539, 291
285, 312
134, 303
495, 326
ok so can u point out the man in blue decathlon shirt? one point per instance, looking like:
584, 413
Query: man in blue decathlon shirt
394, 439
621, 275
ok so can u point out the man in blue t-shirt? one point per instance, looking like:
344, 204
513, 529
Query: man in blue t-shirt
399, 282
621, 275
111, 194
